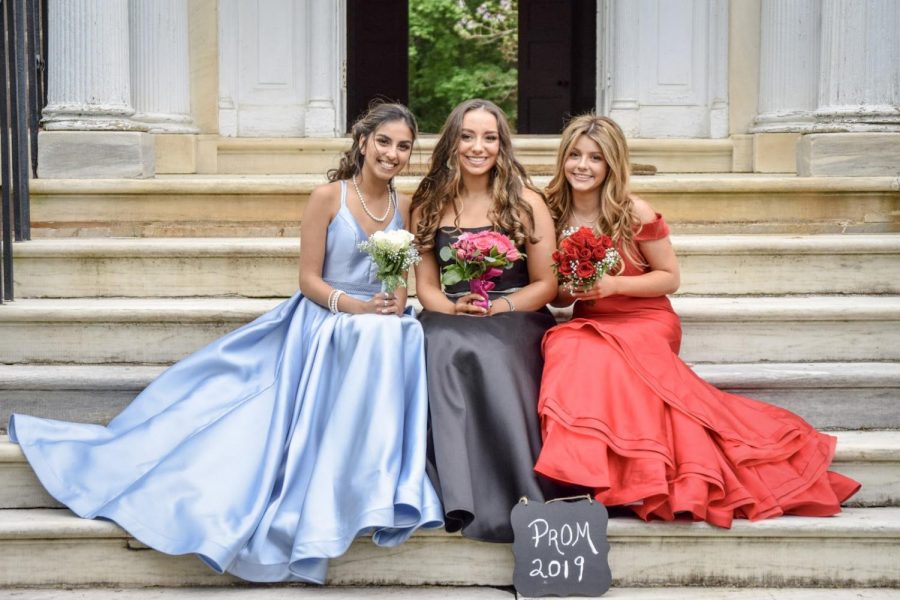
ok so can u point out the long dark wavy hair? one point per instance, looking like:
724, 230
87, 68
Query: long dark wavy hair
617, 217
377, 115
443, 185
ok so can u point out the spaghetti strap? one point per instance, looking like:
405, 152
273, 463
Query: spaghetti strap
343, 193
397, 219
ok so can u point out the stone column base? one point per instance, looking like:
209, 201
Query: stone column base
95, 154
320, 119
176, 153
775, 152
741, 153
849, 154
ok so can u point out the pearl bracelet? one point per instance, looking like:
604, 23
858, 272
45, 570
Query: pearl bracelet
333, 299
512, 307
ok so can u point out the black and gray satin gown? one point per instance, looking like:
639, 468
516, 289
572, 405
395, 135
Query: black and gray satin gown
484, 375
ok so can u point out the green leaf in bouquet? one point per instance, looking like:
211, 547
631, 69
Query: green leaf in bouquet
451, 277
447, 253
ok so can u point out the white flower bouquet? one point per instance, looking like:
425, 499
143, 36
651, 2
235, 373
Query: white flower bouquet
393, 254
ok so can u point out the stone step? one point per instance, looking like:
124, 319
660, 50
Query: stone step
538, 154
831, 396
859, 547
870, 457
288, 592
267, 267
719, 330
272, 206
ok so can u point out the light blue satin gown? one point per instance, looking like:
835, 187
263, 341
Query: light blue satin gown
272, 448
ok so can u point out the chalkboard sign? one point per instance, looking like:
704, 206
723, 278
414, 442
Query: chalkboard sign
560, 548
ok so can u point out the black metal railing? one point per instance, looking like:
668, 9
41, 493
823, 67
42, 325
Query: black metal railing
23, 76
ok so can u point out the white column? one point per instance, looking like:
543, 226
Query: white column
860, 66
322, 70
718, 69
789, 65
228, 67
160, 76
88, 80
625, 107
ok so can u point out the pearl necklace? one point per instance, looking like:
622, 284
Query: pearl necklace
362, 200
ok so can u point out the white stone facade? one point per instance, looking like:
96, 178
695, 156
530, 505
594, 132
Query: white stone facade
829, 66
89, 87
160, 80
669, 67
109, 60
665, 69
280, 68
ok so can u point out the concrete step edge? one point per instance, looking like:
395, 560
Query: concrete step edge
798, 375
427, 141
260, 247
787, 308
871, 523
304, 183
852, 446
394, 592
77, 377
814, 375
221, 309
689, 244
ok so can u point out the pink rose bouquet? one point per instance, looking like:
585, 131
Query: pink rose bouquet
478, 257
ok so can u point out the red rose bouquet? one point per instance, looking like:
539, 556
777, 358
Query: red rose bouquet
478, 257
583, 257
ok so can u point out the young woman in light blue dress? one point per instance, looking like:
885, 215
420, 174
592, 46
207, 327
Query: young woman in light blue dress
268, 451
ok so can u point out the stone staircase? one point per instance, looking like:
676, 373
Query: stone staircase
791, 294
229, 155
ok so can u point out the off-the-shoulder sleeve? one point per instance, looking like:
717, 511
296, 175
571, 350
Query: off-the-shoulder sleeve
656, 229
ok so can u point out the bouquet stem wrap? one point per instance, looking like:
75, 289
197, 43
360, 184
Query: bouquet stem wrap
482, 285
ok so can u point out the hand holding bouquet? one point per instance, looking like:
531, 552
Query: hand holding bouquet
393, 255
583, 257
478, 257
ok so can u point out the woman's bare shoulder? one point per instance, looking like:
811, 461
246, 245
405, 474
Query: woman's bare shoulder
324, 199
642, 209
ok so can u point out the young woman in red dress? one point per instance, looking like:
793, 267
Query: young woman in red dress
620, 412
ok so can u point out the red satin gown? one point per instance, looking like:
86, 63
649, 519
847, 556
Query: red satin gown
622, 414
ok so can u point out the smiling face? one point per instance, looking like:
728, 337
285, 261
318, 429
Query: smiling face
585, 167
388, 149
479, 142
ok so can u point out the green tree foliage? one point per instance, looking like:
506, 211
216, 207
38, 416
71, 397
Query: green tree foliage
461, 49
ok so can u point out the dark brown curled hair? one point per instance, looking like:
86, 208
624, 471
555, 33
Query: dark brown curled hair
377, 115
443, 184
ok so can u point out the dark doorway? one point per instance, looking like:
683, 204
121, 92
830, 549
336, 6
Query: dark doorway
557, 59
557, 62
377, 39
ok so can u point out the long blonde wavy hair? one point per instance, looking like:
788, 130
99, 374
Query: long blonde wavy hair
617, 216
443, 185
